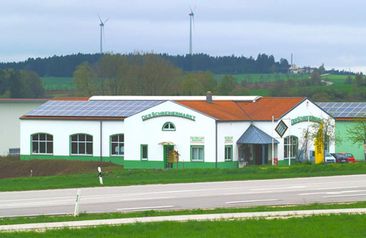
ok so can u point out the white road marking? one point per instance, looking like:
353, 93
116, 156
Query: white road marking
346, 195
278, 188
144, 208
250, 201
332, 193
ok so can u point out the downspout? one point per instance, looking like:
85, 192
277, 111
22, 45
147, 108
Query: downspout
100, 141
216, 144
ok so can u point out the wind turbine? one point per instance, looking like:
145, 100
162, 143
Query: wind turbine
191, 22
101, 24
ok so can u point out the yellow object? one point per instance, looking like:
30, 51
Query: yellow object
319, 145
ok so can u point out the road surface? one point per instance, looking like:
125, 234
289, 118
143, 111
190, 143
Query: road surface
186, 196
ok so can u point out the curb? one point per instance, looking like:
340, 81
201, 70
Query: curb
178, 218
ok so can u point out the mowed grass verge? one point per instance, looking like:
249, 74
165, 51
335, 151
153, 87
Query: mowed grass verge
117, 176
155, 213
316, 227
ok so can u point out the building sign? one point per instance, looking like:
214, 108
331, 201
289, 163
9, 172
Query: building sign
197, 139
168, 114
305, 119
281, 128
229, 139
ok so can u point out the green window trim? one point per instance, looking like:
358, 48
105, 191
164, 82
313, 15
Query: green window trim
142, 147
199, 148
168, 126
81, 142
228, 153
47, 140
119, 142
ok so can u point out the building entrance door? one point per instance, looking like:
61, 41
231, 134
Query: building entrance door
167, 149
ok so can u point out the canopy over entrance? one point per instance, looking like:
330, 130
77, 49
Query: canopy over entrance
254, 135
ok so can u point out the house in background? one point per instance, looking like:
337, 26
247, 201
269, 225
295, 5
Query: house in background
10, 111
346, 115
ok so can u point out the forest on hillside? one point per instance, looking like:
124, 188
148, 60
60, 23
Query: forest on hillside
64, 66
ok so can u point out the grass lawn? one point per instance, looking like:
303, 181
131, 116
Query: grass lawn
119, 176
337, 226
152, 213
261, 78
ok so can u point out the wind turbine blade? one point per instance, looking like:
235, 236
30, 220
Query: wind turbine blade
106, 20
100, 19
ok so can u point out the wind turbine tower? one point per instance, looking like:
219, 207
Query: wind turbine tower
101, 24
191, 21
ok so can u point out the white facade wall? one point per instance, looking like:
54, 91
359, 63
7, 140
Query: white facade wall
150, 132
63, 129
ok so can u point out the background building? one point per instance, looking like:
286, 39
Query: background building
347, 116
10, 110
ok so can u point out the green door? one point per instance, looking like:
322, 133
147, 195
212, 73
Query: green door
167, 149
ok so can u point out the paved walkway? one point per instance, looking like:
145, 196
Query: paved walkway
177, 218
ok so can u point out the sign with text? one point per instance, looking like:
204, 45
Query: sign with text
305, 119
197, 139
229, 139
168, 114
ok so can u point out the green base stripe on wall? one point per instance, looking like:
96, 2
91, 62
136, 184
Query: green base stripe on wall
114, 160
285, 162
136, 164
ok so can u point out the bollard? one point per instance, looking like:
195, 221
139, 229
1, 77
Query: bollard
76, 210
100, 175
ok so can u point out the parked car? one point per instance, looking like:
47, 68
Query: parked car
344, 157
328, 158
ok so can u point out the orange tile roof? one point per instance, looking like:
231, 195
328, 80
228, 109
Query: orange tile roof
261, 110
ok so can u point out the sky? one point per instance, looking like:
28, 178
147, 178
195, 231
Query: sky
332, 32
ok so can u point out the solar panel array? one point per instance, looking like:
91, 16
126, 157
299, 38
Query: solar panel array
92, 108
344, 109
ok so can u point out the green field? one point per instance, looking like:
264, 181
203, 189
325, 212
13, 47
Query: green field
120, 176
337, 226
264, 78
154, 213
58, 83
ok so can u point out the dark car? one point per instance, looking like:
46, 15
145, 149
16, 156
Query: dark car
344, 157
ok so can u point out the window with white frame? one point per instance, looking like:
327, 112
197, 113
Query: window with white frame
168, 126
291, 147
228, 152
118, 144
197, 153
81, 144
42, 143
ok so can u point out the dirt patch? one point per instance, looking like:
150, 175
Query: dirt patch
11, 167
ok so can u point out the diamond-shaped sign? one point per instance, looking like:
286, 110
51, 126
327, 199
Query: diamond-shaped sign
281, 128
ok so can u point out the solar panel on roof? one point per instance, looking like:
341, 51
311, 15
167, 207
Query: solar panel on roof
92, 108
345, 109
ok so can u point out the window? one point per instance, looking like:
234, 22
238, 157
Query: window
118, 144
42, 143
144, 152
81, 144
168, 126
197, 153
291, 147
228, 152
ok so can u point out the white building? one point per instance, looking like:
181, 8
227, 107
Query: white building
143, 132
10, 110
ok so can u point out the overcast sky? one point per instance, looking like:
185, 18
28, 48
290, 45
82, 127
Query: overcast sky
327, 31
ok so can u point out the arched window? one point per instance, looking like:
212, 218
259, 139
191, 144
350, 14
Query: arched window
168, 126
291, 144
81, 144
42, 143
117, 144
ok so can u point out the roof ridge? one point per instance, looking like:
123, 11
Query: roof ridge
243, 110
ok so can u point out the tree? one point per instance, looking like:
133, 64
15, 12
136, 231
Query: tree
226, 85
357, 133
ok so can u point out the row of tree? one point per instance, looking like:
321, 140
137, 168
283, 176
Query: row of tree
64, 66
20, 84
148, 74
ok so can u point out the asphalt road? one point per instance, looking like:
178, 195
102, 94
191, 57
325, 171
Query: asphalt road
186, 196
